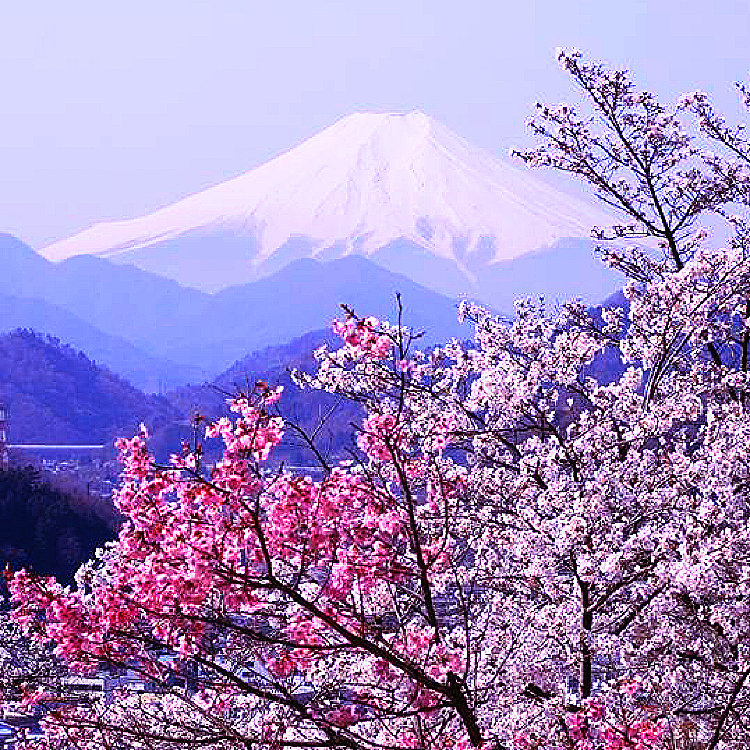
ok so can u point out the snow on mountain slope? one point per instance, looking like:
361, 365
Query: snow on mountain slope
366, 181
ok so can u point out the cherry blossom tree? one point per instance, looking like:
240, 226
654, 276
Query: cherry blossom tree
523, 549
26, 668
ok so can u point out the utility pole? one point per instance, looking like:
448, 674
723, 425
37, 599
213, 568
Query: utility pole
3, 437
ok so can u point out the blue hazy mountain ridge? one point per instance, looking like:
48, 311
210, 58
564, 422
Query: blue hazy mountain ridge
23, 272
157, 333
87, 310
146, 372
562, 271
204, 333
567, 269
120, 300
306, 295
123, 300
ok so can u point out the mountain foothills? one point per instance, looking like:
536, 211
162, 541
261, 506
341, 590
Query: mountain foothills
323, 415
400, 189
57, 395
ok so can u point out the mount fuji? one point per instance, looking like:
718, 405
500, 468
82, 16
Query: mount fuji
401, 189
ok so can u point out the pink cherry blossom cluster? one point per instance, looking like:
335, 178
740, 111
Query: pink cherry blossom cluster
243, 539
381, 434
362, 335
590, 729
255, 432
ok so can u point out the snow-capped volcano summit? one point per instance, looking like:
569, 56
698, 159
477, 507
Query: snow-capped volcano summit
372, 184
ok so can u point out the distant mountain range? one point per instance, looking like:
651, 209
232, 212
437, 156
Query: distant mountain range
160, 335
93, 306
373, 206
119, 355
400, 189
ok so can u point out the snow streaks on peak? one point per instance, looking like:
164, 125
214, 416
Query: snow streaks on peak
367, 181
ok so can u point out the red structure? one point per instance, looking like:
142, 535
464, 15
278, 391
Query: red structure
3, 436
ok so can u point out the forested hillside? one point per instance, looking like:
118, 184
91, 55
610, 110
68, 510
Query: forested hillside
305, 408
46, 529
56, 394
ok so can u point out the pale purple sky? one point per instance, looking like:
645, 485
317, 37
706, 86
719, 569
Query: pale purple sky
109, 110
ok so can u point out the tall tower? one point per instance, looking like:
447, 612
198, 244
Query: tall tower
3, 436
